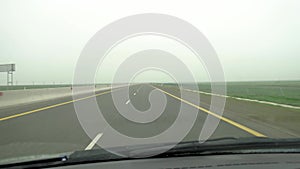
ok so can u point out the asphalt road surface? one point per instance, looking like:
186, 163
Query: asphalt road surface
53, 127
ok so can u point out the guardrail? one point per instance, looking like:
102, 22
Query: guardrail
20, 97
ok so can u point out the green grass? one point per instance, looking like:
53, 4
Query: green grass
278, 92
284, 92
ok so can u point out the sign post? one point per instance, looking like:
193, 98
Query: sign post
9, 69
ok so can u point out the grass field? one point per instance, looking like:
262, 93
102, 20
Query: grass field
279, 92
284, 92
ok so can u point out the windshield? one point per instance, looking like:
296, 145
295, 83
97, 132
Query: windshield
88, 75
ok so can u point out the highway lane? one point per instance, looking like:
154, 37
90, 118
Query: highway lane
56, 129
274, 121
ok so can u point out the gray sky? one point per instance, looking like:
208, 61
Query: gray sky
255, 40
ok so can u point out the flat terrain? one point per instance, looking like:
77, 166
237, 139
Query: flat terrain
52, 126
283, 92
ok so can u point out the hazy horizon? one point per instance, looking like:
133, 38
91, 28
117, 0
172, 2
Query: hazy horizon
254, 40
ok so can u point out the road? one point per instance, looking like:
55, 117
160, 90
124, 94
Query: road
52, 127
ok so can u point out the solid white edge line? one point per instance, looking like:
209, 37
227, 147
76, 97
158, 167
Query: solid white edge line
94, 141
244, 99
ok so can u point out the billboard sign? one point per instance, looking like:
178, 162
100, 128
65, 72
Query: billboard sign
7, 67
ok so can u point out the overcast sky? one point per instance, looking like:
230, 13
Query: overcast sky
255, 40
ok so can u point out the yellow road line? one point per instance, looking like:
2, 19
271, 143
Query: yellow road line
240, 126
52, 106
